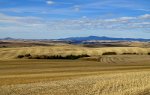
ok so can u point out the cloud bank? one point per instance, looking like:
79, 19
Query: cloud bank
122, 23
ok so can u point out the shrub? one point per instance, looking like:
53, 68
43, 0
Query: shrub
109, 53
53, 56
129, 53
4, 46
84, 55
20, 56
72, 57
27, 55
76, 56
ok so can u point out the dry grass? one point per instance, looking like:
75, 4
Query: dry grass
128, 83
62, 77
10, 53
112, 75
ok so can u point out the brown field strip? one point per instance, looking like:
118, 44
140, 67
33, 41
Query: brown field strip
36, 70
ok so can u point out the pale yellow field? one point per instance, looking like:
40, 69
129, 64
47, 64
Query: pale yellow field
11, 53
134, 83
64, 77
111, 75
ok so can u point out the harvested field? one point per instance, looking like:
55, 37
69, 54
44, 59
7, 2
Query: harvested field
62, 77
96, 75
11, 53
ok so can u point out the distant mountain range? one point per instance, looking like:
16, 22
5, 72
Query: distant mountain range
89, 38
102, 38
7, 38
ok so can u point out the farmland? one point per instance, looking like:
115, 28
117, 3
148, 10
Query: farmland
11, 53
126, 73
74, 47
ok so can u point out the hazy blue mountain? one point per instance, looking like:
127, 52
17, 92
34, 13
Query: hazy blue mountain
80, 39
102, 38
7, 38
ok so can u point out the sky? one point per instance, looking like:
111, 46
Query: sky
52, 19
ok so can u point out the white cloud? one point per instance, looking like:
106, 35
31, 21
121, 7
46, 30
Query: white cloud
19, 20
146, 16
146, 10
120, 20
76, 8
127, 18
50, 2
15, 23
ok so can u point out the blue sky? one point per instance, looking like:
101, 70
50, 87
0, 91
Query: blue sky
48, 19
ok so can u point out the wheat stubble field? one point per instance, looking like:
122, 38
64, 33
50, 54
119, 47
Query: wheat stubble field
111, 75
